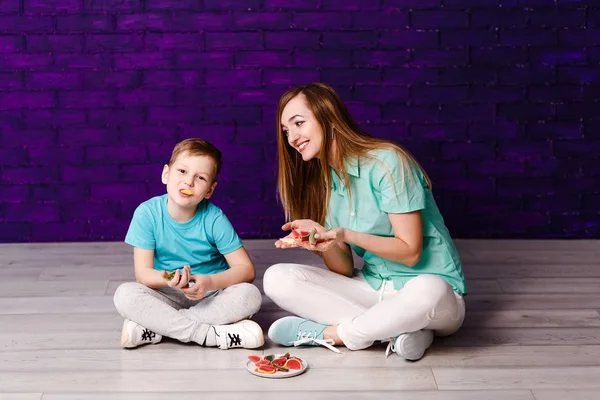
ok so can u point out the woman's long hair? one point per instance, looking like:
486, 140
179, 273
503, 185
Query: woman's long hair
304, 187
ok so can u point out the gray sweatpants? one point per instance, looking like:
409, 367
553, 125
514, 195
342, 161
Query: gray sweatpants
169, 313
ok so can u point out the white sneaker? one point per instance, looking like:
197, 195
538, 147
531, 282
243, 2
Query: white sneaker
133, 335
246, 334
412, 345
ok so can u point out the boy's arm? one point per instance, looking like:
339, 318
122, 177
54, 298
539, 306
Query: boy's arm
143, 262
241, 270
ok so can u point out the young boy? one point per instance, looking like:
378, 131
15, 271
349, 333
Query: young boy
209, 296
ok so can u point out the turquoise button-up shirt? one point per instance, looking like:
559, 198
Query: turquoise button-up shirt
383, 186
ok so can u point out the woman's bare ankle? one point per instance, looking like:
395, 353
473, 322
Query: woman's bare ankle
331, 333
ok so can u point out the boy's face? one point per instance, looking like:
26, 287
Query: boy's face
190, 179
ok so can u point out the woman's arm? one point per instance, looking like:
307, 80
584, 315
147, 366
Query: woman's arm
338, 259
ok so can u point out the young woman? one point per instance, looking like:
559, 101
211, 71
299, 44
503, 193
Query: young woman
371, 196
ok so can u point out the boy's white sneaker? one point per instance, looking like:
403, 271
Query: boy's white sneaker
134, 335
243, 334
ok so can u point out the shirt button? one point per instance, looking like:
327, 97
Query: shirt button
352, 213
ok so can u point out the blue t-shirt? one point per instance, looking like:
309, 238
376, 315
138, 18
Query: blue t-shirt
200, 242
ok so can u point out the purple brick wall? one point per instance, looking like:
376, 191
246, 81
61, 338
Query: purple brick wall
499, 100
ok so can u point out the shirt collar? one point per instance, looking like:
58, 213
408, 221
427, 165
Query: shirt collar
353, 169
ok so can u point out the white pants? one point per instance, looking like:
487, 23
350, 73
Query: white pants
362, 314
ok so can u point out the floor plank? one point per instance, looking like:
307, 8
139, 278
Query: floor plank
566, 394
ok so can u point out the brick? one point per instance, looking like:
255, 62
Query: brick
440, 58
594, 55
438, 94
14, 193
525, 3
467, 151
577, 111
111, 230
174, 41
323, 59
409, 76
203, 96
352, 40
470, 3
168, 5
593, 18
555, 93
399, 112
28, 211
527, 37
461, 38
54, 155
520, 150
351, 76
239, 114
25, 137
11, 80
317, 20
11, 44
110, 79
555, 130
263, 59
212, 133
84, 24
526, 75
439, 131
145, 97
576, 184
502, 168
240, 77
54, 43
112, 5
51, 6
365, 58
25, 24
589, 202
208, 59
392, 19
110, 117
143, 60
168, 79
525, 111
55, 117
29, 175
247, 5
342, 5
134, 193
158, 153
381, 94
558, 57
10, 6
86, 99
525, 186
115, 154
29, 62
578, 75
15, 231
557, 17
578, 37
404, 4
253, 135
52, 80
86, 211
551, 167
361, 111
291, 4
408, 39
144, 173
470, 186
499, 18
291, 40
174, 115
262, 20
90, 174
589, 129
119, 43
138, 135
585, 224
553, 203
466, 75
467, 112
497, 93
82, 61
13, 156
233, 41
72, 231
14, 100
579, 149
289, 76
433, 19
499, 56
88, 136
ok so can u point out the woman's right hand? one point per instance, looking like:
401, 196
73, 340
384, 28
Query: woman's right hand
305, 225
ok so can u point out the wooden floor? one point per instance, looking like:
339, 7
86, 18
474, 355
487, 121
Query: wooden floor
532, 332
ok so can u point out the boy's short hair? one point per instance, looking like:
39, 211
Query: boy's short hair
197, 147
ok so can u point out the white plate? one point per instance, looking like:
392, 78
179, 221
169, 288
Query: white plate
279, 374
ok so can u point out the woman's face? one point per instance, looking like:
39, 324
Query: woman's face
302, 130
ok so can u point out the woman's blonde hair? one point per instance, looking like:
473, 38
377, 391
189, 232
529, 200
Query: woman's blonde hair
304, 187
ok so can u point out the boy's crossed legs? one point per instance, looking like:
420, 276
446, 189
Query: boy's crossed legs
219, 319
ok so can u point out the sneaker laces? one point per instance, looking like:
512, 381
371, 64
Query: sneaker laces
390, 347
304, 337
